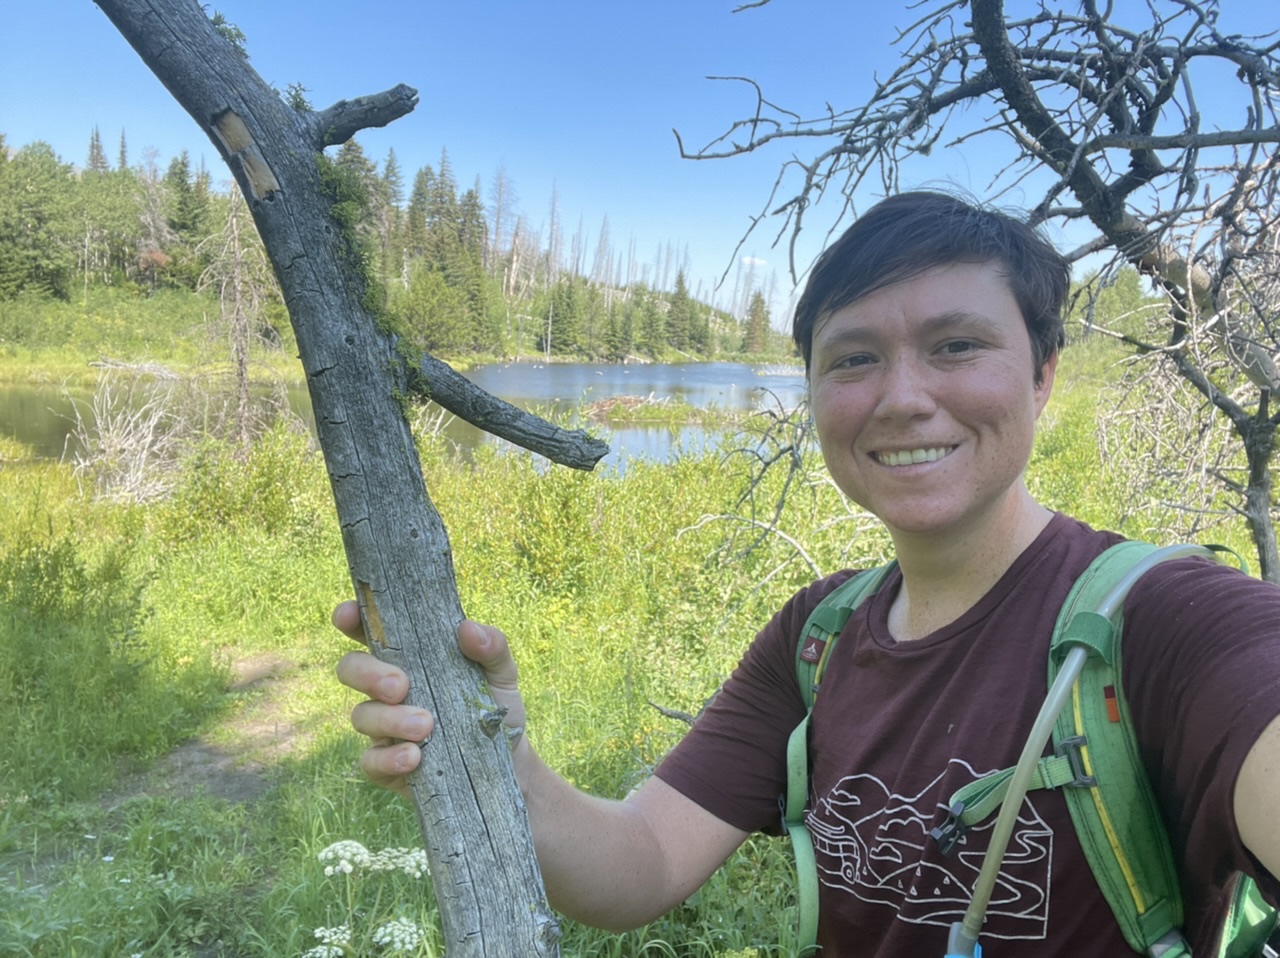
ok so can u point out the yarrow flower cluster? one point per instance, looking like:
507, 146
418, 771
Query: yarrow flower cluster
399, 934
334, 942
348, 856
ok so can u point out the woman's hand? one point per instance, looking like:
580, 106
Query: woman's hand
397, 732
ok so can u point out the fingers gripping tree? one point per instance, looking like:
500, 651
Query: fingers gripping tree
1104, 125
480, 853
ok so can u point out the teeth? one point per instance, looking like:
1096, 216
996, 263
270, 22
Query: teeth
907, 457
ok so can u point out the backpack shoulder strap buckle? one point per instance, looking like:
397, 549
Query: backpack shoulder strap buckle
952, 831
1070, 749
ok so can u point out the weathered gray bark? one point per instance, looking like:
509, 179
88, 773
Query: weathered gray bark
483, 869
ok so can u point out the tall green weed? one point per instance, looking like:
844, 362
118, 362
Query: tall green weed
81, 683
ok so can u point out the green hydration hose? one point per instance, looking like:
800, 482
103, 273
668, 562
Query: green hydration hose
962, 942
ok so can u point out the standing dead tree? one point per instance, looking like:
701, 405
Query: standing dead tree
240, 273
1103, 123
479, 850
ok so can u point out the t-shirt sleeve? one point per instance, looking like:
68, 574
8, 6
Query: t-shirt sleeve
733, 761
1201, 671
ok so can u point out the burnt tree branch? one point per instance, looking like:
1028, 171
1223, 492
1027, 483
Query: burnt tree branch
346, 118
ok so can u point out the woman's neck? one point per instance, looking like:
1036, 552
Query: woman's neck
945, 574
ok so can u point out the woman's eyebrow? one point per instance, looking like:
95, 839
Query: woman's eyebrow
958, 317
941, 322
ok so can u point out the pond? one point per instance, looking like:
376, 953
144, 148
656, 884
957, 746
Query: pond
44, 417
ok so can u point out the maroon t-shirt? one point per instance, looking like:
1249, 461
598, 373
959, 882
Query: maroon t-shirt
899, 728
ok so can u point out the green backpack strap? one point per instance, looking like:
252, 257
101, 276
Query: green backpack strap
1114, 807
817, 639
822, 628
1112, 803
1107, 792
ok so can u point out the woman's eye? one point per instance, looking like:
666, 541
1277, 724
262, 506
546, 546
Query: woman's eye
850, 362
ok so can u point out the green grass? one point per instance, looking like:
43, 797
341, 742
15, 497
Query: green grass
48, 340
122, 626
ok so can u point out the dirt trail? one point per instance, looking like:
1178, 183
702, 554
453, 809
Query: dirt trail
233, 760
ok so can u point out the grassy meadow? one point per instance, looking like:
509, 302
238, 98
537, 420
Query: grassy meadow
177, 759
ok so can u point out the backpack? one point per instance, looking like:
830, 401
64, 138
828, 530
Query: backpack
1095, 762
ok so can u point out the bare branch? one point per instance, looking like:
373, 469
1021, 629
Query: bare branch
1182, 141
346, 118
437, 381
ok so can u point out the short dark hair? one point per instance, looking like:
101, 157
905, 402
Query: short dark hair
907, 234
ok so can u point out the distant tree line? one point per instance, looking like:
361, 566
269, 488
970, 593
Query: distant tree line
455, 273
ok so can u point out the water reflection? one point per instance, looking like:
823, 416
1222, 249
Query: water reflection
43, 417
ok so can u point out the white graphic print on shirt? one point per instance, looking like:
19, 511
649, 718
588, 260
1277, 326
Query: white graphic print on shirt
875, 844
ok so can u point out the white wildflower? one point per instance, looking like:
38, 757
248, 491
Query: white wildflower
410, 861
333, 942
339, 935
108, 858
324, 951
399, 934
347, 856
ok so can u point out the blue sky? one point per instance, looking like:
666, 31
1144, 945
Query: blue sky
578, 95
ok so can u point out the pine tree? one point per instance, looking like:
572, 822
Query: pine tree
680, 316
442, 221
431, 312
619, 336
97, 162
352, 159
652, 333
416, 215
122, 161
187, 215
562, 322
187, 204
756, 338
392, 180
391, 238
473, 229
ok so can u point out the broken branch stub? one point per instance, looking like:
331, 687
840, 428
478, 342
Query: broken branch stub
480, 852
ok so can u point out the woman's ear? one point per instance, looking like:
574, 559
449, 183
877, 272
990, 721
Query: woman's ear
1044, 386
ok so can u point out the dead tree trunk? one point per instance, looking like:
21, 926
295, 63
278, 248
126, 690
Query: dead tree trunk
484, 873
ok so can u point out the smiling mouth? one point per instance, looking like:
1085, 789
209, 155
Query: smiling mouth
910, 457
